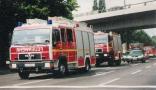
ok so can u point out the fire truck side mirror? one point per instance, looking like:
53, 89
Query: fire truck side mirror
54, 44
110, 38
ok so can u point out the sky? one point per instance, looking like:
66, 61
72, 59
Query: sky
86, 6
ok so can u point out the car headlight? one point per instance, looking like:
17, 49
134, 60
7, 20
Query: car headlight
140, 56
97, 55
129, 57
14, 66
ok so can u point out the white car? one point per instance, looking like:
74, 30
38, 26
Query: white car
135, 55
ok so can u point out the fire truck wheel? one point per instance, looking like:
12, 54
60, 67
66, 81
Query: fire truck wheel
118, 62
111, 62
87, 66
97, 64
23, 75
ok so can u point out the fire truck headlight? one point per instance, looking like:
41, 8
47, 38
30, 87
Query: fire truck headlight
7, 62
105, 55
47, 65
97, 55
14, 66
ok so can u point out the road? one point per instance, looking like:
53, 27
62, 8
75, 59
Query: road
137, 76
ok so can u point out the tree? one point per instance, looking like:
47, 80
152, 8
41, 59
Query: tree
12, 11
7, 23
154, 40
44, 8
102, 7
142, 37
137, 36
95, 7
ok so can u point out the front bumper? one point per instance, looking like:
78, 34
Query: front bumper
32, 67
102, 57
134, 59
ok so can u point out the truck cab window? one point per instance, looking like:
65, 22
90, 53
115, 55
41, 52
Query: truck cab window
55, 37
63, 37
69, 35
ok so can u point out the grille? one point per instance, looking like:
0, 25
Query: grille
30, 56
98, 50
23, 56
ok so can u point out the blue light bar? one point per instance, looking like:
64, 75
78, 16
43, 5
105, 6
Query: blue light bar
49, 22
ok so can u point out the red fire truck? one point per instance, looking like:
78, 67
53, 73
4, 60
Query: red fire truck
108, 48
150, 51
57, 45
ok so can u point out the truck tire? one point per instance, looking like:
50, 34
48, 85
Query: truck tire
118, 62
110, 62
23, 75
97, 64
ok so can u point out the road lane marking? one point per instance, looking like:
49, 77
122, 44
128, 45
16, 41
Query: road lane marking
105, 83
79, 87
101, 68
20, 84
136, 72
38, 81
135, 64
99, 74
148, 67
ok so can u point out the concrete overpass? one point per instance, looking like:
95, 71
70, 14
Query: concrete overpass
133, 17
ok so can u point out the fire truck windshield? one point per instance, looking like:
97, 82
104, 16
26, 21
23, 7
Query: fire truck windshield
35, 36
101, 39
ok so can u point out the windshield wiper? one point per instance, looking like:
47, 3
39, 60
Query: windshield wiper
41, 43
16, 44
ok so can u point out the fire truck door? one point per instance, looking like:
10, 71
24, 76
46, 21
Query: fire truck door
56, 43
71, 45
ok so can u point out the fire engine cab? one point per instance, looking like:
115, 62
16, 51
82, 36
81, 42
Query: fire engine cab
108, 48
57, 45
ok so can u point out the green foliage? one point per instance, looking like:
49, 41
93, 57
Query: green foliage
95, 7
154, 40
101, 7
12, 11
44, 8
142, 37
136, 36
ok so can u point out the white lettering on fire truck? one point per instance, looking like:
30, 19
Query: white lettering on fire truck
30, 49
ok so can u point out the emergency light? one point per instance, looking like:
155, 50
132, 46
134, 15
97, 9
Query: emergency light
49, 22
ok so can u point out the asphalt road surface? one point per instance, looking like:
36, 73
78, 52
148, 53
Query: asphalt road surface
136, 76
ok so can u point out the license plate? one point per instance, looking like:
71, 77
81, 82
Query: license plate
29, 65
134, 58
